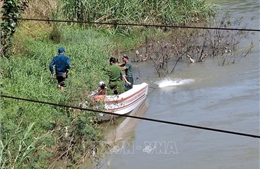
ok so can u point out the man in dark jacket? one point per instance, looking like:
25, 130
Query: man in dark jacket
62, 66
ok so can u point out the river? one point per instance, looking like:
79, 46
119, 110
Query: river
203, 94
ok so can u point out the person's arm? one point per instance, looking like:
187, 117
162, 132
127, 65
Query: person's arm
124, 78
51, 67
125, 66
122, 65
68, 65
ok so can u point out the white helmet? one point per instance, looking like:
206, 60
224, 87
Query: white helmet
101, 83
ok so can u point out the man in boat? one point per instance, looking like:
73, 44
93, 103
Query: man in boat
100, 92
127, 67
116, 84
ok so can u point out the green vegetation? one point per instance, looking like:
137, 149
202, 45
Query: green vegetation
13, 10
35, 135
135, 11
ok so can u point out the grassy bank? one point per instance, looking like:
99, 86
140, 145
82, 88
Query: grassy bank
27, 75
34, 135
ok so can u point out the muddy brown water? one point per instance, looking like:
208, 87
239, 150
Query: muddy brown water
202, 94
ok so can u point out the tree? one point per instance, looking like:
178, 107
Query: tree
10, 11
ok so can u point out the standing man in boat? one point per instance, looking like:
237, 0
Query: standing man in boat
116, 84
127, 67
62, 66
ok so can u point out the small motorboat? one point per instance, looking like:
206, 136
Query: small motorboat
118, 104
127, 101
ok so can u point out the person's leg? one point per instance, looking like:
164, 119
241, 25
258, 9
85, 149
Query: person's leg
62, 85
131, 80
61, 82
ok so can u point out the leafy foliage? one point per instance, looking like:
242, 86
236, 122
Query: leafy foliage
11, 10
134, 11
55, 35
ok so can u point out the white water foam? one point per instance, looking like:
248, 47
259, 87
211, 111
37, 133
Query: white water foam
175, 82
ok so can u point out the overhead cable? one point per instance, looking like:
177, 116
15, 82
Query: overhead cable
136, 117
134, 24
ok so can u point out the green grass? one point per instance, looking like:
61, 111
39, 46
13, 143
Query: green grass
26, 74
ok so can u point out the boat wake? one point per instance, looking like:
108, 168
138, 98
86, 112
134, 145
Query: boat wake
173, 82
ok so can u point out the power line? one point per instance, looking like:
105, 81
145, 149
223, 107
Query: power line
136, 117
134, 24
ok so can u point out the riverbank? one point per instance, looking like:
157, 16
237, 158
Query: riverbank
52, 132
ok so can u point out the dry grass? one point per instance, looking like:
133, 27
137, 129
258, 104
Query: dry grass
40, 9
1, 5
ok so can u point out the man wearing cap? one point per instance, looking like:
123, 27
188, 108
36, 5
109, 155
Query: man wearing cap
62, 66
127, 67
116, 77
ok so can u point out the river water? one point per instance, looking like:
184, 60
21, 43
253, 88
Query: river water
203, 94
